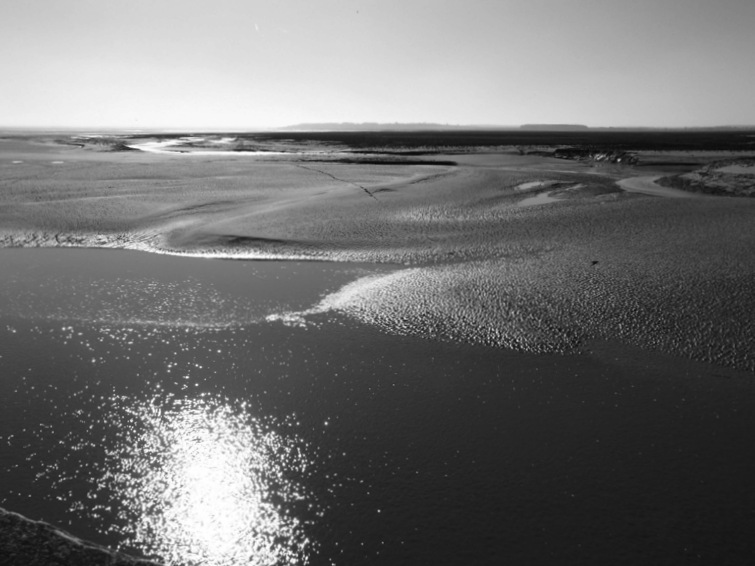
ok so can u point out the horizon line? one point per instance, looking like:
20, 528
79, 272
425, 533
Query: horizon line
355, 127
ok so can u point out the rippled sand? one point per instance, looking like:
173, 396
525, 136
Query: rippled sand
592, 261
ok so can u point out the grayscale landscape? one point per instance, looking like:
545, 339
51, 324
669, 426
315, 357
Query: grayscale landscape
373, 336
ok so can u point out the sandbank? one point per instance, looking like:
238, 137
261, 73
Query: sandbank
586, 264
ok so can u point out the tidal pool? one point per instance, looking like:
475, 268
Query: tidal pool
169, 407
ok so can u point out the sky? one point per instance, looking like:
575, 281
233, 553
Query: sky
246, 64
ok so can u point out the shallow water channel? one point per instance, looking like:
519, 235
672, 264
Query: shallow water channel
148, 402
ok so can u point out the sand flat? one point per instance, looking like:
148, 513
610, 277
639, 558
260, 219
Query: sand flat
646, 185
582, 265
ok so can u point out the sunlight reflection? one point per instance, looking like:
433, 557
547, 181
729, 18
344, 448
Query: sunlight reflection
202, 482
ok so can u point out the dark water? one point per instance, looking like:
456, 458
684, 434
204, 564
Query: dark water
145, 402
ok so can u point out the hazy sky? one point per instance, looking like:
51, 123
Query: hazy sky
264, 63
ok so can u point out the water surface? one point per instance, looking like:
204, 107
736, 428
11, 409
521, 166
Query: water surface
153, 403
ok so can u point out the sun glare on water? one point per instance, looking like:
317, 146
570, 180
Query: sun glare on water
201, 482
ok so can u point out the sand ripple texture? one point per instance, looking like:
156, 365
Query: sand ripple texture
528, 306
665, 275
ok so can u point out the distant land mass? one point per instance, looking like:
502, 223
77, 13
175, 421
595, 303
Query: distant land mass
554, 127
434, 126
385, 126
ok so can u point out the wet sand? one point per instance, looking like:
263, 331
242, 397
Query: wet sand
647, 186
518, 251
